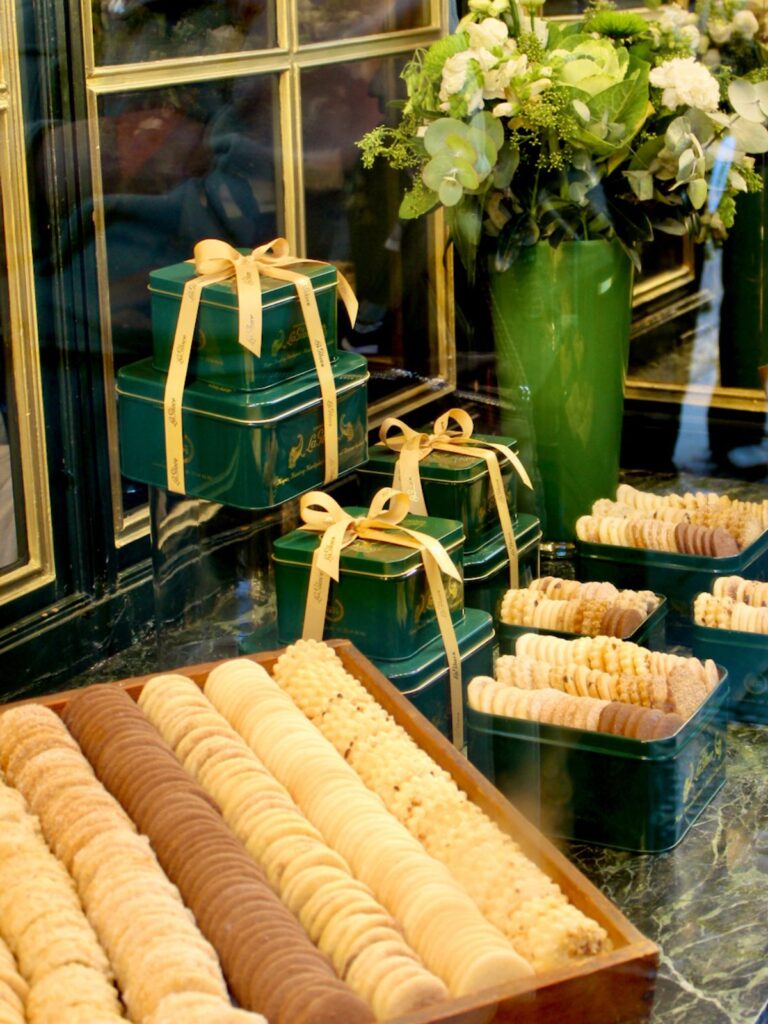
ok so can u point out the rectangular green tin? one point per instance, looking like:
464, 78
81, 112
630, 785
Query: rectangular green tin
486, 570
381, 602
679, 577
216, 355
423, 679
651, 633
745, 656
249, 449
638, 795
454, 486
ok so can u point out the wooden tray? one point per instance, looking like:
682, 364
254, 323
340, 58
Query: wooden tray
614, 988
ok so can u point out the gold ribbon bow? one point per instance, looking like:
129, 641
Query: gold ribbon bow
383, 523
218, 261
414, 446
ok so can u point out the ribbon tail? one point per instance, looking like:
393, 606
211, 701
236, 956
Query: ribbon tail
250, 306
317, 601
173, 395
443, 612
514, 459
505, 519
408, 478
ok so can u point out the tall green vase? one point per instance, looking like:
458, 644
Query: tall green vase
561, 322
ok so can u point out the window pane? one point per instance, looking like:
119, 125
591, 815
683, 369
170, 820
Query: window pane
352, 220
130, 31
12, 534
178, 165
322, 20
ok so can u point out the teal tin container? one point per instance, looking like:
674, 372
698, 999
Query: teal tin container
651, 633
248, 449
423, 679
454, 487
592, 787
216, 355
382, 601
486, 570
679, 577
745, 656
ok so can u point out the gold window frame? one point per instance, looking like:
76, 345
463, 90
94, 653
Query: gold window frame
38, 567
287, 59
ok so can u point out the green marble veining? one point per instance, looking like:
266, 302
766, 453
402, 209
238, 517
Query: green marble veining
705, 902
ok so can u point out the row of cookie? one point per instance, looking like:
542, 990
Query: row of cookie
269, 962
439, 920
339, 913
14, 991
560, 589
690, 500
576, 615
656, 535
512, 892
751, 592
725, 613
43, 924
165, 969
554, 707
742, 524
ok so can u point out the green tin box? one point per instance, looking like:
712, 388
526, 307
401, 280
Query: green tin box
651, 633
745, 656
638, 795
454, 487
382, 601
249, 449
486, 570
216, 355
423, 679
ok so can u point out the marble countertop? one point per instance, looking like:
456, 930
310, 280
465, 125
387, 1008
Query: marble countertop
704, 901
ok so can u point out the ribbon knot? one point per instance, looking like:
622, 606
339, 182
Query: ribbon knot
382, 522
452, 432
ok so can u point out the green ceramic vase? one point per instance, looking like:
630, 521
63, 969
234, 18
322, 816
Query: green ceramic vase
561, 322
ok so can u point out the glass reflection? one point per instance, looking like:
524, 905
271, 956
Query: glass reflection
10, 478
132, 31
352, 220
180, 164
323, 20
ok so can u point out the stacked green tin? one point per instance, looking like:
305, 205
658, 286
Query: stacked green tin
486, 570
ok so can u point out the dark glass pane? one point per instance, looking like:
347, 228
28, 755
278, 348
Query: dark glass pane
323, 20
352, 220
178, 165
12, 532
133, 31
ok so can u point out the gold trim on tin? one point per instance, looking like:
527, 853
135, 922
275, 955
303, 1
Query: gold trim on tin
39, 567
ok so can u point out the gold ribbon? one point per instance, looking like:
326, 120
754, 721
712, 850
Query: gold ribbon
414, 446
383, 522
218, 261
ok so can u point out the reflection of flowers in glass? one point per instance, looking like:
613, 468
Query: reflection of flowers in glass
686, 83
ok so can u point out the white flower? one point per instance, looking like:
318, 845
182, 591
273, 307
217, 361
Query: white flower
691, 36
686, 83
487, 34
745, 24
720, 31
454, 74
498, 80
491, 7
504, 109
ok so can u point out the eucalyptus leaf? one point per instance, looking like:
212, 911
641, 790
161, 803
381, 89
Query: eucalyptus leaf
750, 137
737, 181
745, 100
437, 169
672, 227
460, 146
438, 132
416, 203
504, 172
641, 183
685, 165
697, 192
486, 124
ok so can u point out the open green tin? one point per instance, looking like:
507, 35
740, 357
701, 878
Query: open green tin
650, 633
382, 601
423, 678
486, 570
745, 656
454, 487
217, 356
249, 449
639, 795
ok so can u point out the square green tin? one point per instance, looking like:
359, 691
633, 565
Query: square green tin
486, 570
651, 633
592, 787
217, 356
382, 601
745, 656
249, 449
454, 487
423, 678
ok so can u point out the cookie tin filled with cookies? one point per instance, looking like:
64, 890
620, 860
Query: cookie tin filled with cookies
553, 606
673, 544
486, 570
626, 755
730, 625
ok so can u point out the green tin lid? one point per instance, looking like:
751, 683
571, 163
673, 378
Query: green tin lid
142, 380
371, 558
475, 629
493, 554
171, 281
437, 465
